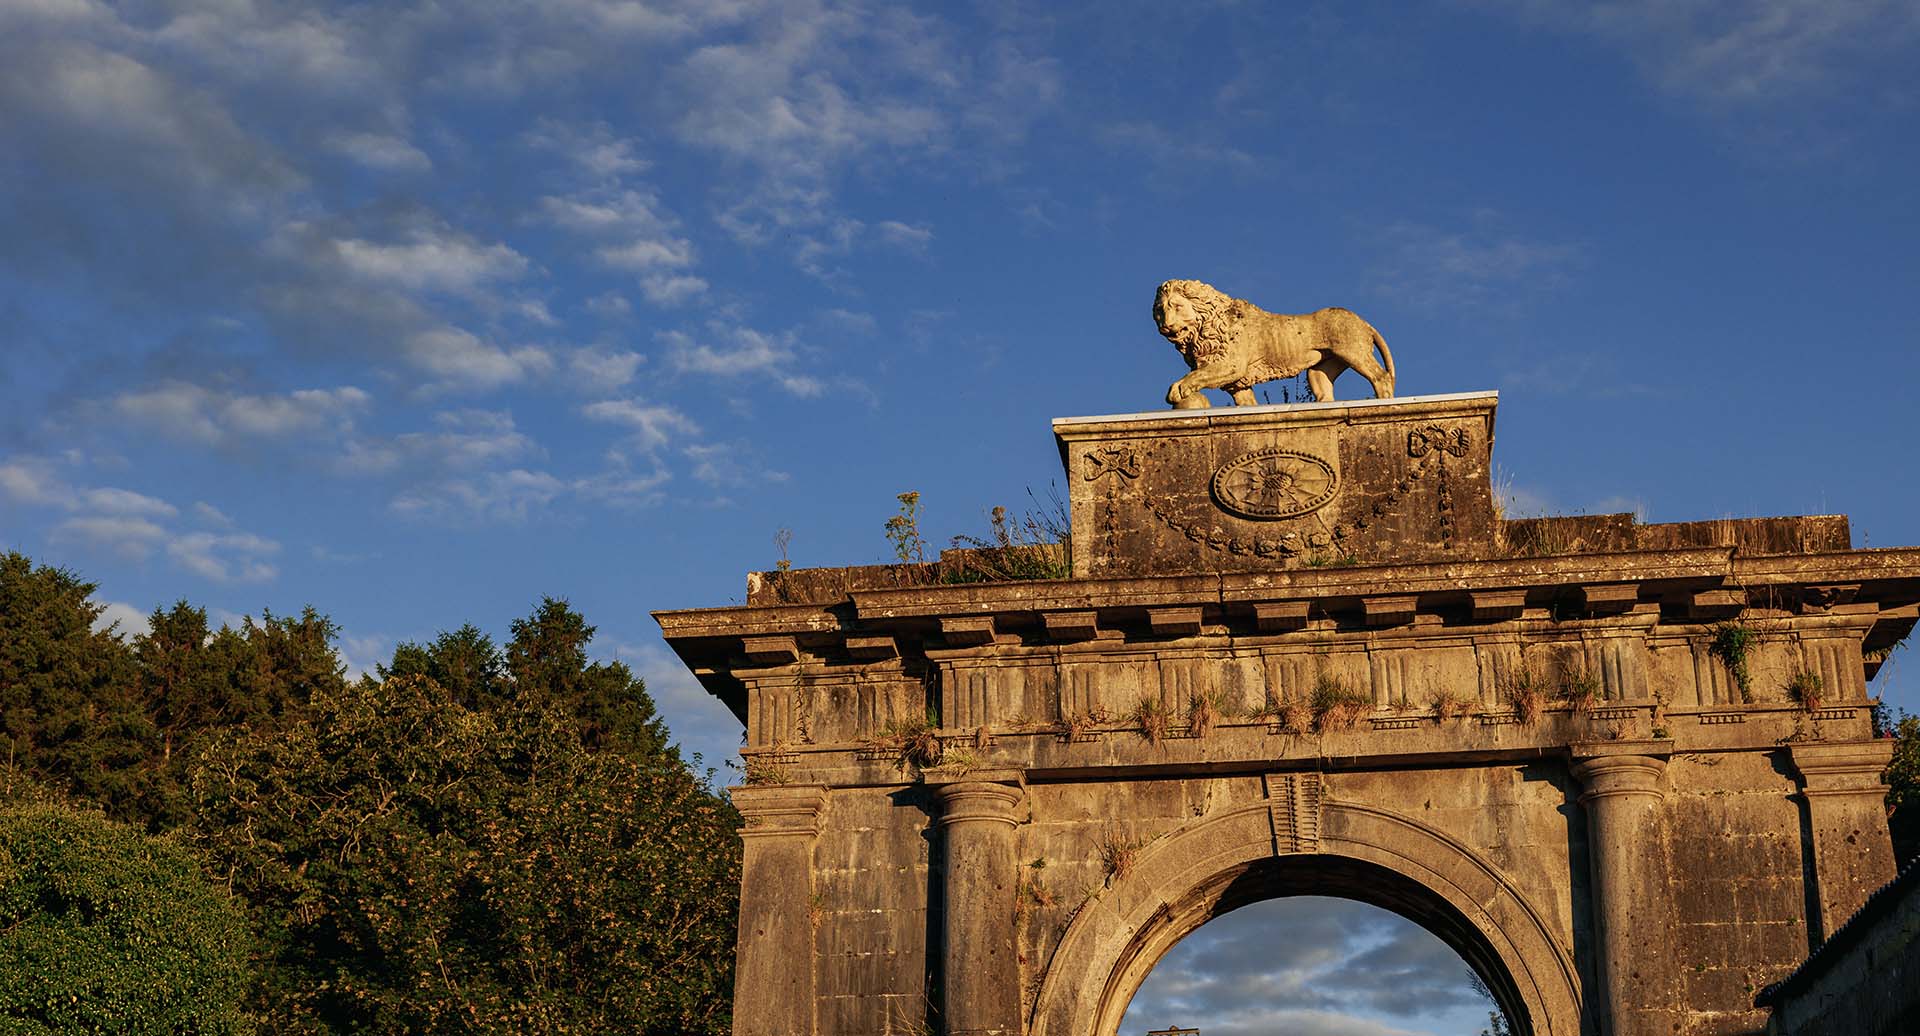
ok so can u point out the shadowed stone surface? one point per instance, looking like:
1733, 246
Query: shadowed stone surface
1525, 736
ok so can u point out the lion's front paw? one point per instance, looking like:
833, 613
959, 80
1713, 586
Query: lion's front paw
1190, 401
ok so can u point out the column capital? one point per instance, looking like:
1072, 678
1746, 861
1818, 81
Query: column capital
791, 810
992, 795
1849, 767
1608, 769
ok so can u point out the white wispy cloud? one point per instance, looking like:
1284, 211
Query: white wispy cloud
1741, 53
510, 496
603, 370
132, 538
435, 258
235, 557
735, 351
459, 439
122, 618
729, 465
222, 417
125, 503
904, 235
381, 151
594, 147
672, 289
135, 526
463, 359
653, 424
1472, 265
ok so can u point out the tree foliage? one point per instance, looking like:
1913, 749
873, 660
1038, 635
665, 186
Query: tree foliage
416, 865
67, 702
104, 929
475, 839
1903, 786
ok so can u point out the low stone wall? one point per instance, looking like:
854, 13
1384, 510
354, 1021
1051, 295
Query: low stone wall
1865, 981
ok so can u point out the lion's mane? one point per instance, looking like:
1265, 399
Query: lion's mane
1218, 317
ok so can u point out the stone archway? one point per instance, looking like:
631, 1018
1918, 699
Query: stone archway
1218, 863
937, 771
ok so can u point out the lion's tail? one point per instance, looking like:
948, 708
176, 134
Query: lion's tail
1385, 390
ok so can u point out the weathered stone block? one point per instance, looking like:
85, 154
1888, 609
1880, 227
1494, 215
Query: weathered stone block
1267, 487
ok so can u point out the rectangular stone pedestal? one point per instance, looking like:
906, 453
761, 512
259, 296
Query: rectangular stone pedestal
1255, 488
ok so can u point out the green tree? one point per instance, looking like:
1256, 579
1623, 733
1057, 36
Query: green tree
68, 706
547, 659
194, 683
104, 929
1903, 784
415, 865
465, 662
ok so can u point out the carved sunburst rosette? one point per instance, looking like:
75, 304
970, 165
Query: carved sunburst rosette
1273, 483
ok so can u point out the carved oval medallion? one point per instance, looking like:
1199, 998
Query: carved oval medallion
1273, 483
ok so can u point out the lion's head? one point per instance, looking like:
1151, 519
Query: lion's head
1196, 317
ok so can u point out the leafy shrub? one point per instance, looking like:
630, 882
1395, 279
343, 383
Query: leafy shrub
104, 929
1732, 644
416, 866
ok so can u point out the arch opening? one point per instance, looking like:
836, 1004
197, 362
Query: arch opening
1322, 898
1213, 865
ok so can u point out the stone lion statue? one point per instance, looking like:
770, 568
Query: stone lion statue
1233, 345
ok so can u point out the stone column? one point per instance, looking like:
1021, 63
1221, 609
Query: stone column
773, 979
981, 968
1846, 812
1632, 902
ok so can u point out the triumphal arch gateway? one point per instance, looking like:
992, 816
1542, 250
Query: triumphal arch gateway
1625, 770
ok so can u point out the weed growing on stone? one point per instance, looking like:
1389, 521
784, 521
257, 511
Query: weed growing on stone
1296, 716
1732, 643
912, 742
761, 771
1033, 895
1201, 715
1152, 716
1447, 705
1075, 726
1205, 711
903, 530
1579, 689
1331, 559
960, 761
1118, 852
1337, 705
1038, 545
1519, 687
1805, 688
1291, 715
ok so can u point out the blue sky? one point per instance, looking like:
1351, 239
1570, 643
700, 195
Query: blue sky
417, 312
